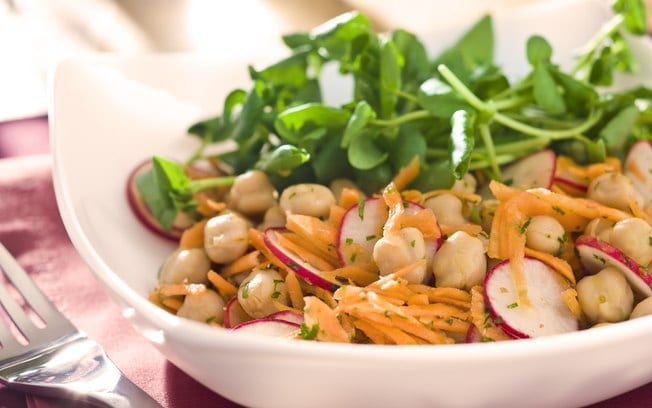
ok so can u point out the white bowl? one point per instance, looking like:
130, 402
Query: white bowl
108, 113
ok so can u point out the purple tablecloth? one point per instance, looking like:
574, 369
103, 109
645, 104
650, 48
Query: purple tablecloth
31, 228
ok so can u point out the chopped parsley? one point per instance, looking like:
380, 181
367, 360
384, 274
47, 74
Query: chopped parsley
412, 243
649, 240
309, 333
449, 321
361, 208
275, 294
353, 256
599, 258
349, 241
292, 266
523, 227
245, 290
558, 210
602, 299
370, 237
512, 305
211, 319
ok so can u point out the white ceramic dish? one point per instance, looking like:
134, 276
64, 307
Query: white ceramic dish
109, 113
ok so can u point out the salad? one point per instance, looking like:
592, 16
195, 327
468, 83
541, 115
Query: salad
443, 203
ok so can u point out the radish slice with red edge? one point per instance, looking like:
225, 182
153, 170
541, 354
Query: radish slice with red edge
362, 226
473, 334
547, 314
269, 327
140, 209
288, 316
535, 170
638, 167
596, 255
302, 268
574, 186
234, 314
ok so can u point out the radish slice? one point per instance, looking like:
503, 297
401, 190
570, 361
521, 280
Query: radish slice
638, 167
535, 170
548, 313
572, 185
473, 334
288, 316
140, 209
362, 227
234, 314
269, 327
308, 272
597, 255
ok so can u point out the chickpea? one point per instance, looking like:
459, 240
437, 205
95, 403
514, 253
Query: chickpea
203, 306
274, 217
605, 296
614, 190
487, 211
460, 262
393, 251
633, 236
307, 199
185, 265
545, 234
338, 185
447, 209
225, 237
466, 184
643, 308
252, 193
258, 292
600, 228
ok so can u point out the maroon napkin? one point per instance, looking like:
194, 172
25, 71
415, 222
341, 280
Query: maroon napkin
31, 229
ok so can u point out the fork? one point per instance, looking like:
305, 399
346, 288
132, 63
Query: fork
57, 360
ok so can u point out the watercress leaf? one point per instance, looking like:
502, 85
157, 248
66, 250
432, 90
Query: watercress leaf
578, 95
219, 128
538, 50
173, 182
296, 122
434, 176
334, 38
374, 179
475, 47
282, 160
461, 142
288, 71
157, 200
596, 151
487, 81
438, 98
617, 131
545, 91
364, 153
328, 165
601, 71
634, 12
297, 40
409, 143
416, 66
357, 122
252, 110
390, 77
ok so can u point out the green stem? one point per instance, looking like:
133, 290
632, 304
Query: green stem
408, 96
399, 120
606, 31
545, 133
465, 92
485, 134
213, 182
500, 160
512, 102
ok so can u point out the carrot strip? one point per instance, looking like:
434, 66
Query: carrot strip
356, 274
303, 253
424, 220
375, 335
315, 231
193, 237
172, 303
394, 201
294, 290
330, 329
349, 197
555, 263
245, 263
224, 287
481, 319
336, 215
309, 246
471, 229
418, 299
395, 335
256, 240
414, 196
407, 174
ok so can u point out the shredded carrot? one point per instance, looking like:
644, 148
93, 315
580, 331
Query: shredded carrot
330, 329
414, 196
172, 303
336, 215
226, 289
471, 229
207, 206
394, 202
322, 234
481, 319
424, 220
356, 274
193, 237
569, 296
349, 197
245, 263
331, 258
303, 253
180, 289
586, 208
418, 299
555, 263
256, 240
375, 335
294, 290
407, 174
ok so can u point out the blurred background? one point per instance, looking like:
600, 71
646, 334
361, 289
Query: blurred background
35, 34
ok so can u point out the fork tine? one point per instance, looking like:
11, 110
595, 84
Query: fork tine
32, 294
